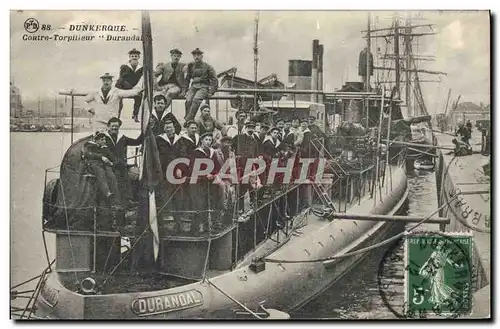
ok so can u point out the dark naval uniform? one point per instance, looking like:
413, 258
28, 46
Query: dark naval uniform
168, 149
128, 78
157, 121
245, 147
204, 83
207, 196
118, 146
187, 145
105, 177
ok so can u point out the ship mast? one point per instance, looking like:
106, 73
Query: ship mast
408, 65
396, 54
255, 57
369, 47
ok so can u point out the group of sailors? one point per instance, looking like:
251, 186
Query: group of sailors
196, 81
202, 137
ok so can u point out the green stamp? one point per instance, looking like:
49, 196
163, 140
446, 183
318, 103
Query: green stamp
438, 275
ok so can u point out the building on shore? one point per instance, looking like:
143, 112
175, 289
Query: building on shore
468, 111
16, 102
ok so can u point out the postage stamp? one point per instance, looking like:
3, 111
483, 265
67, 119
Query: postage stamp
438, 274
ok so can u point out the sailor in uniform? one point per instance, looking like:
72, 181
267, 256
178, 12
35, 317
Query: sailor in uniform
271, 149
130, 75
189, 141
168, 150
246, 146
307, 148
117, 143
172, 82
159, 117
207, 194
206, 123
280, 124
107, 100
101, 161
241, 118
203, 80
288, 125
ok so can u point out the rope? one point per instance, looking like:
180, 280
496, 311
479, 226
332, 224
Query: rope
235, 300
363, 250
139, 238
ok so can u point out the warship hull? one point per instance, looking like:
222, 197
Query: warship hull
282, 285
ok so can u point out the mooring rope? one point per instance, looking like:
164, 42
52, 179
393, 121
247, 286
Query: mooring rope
363, 250
234, 300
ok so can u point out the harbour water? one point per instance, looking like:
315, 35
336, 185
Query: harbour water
355, 296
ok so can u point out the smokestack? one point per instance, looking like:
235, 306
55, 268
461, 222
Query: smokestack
314, 74
320, 72
299, 73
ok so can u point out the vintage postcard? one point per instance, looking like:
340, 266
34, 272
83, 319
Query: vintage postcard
250, 165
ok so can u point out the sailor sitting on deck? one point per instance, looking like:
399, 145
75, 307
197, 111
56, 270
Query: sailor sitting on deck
130, 75
117, 144
107, 100
461, 148
101, 162
203, 85
172, 81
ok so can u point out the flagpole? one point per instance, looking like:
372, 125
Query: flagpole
150, 148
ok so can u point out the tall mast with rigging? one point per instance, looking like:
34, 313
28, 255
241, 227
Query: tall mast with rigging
369, 47
396, 54
255, 58
410, 67
408, 58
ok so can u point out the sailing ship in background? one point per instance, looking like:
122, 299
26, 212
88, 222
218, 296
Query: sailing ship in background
400, 66
259, 261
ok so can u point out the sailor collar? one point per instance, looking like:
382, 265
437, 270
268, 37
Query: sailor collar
210, 150
269, 138
307, 130
136, 68
111, 90
165, 137
196, 137
165, 112
118, 137
252, 135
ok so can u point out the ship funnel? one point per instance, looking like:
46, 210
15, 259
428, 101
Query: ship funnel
314, 73
299, 74
320, 72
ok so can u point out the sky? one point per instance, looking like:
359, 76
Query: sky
43, 68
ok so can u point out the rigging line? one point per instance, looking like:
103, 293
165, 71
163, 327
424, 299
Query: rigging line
363, 250
33, 278
138, 239
209, 233
235, 300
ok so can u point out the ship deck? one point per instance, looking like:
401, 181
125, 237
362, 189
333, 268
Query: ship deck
466, 173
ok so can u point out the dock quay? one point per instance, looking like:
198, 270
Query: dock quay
470, 211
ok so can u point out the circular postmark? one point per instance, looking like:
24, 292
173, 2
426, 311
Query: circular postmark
31, 25
432, 278
465, 199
